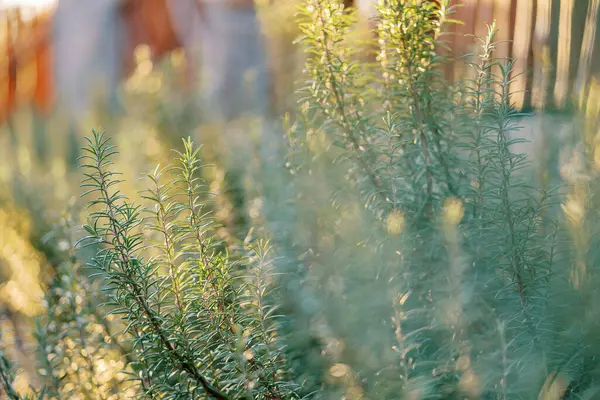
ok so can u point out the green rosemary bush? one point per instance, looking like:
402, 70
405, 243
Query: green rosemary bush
197, 327
435, 265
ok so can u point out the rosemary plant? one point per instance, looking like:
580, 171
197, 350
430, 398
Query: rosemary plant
198, 328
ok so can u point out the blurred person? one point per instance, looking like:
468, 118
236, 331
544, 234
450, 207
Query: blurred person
87, 41
93, 44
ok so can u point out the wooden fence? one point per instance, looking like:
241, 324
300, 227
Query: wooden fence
554, 42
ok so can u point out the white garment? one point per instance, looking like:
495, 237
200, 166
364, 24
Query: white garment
227, 45
87, 37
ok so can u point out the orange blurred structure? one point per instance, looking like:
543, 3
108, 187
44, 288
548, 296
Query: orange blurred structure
26, 71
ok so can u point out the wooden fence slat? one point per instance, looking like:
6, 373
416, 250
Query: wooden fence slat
587, 51
521, 48
563, 58
541, 53
462, 44
484, 17
504, 14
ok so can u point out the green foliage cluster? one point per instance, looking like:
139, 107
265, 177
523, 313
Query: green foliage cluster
198, 327
405, 251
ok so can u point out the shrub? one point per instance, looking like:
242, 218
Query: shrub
405, 251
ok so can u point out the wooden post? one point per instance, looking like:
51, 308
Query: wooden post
541, 54
563, 59
522, 35
588, 47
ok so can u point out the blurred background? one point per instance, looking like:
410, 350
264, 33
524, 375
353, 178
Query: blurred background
151, 72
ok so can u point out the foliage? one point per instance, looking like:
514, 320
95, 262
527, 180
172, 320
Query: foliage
197, 327
406, 251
